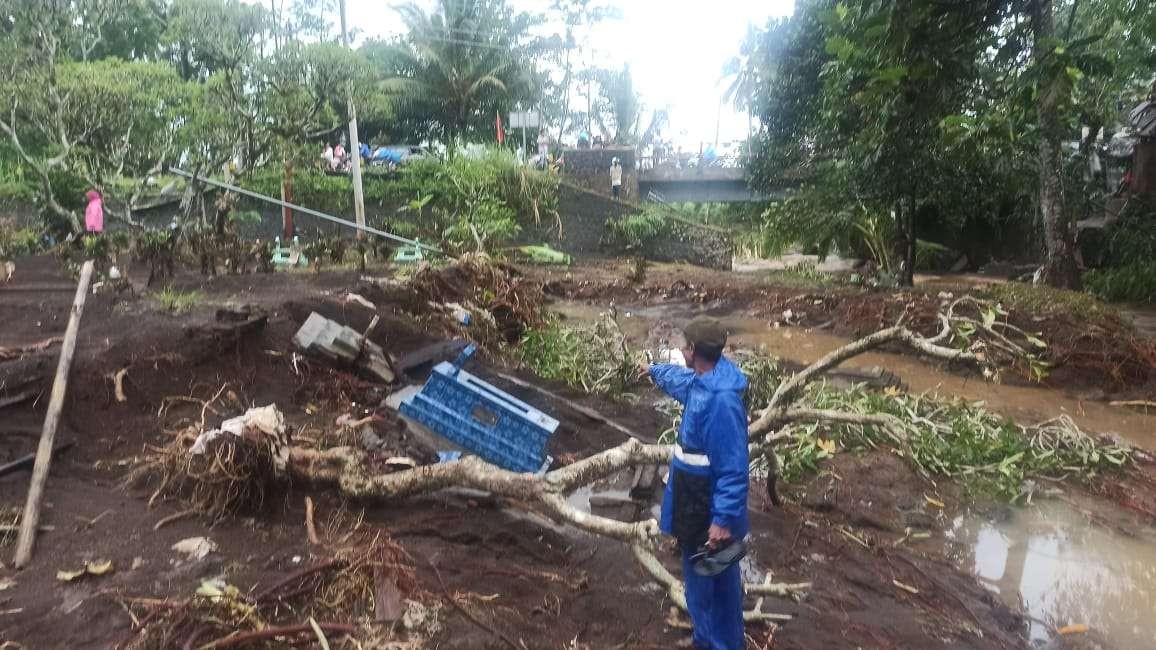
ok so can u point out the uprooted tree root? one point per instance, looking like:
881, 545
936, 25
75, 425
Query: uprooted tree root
341, 587
515, 302
234, 475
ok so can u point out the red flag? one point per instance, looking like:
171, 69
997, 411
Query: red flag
501, 131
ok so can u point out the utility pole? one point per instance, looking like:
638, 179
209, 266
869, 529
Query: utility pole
354, 144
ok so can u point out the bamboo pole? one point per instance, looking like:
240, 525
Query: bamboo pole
31, 517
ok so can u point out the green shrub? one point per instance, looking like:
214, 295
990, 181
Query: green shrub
1133, 282
18, 242
15, 190
930, 256
593, 358
177, 301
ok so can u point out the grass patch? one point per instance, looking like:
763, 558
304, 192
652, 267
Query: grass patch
176, 301
806, 275
1039, 299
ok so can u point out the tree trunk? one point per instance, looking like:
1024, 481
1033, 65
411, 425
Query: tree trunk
287, 228
1059, 268
566, 82
907, 271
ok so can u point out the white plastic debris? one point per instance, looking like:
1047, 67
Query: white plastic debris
260, 424
671, 356
359, 299
195, 548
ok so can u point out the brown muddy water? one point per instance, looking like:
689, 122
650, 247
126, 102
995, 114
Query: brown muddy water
1065, 570
1025, 404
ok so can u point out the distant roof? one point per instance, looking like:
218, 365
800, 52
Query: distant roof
1143, 119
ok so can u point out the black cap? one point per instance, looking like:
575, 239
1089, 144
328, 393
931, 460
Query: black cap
705, 331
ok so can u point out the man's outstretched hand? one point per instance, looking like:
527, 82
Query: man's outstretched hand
717, 535
642, 370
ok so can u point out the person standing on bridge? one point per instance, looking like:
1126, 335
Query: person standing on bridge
615, 178
705, 504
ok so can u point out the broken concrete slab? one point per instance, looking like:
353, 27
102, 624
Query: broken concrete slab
330, 340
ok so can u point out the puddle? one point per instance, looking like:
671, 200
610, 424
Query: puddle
1143, 318
1024, 404
614, 493
1064, 570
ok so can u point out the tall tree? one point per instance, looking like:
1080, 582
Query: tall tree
619, 109
742, 74
856, 94
578, 17
65, 114
1059, 269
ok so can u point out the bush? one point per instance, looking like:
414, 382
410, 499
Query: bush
1133, 282
635, 232
593, 358
439, 200
19, 242
15, 190
1132, 238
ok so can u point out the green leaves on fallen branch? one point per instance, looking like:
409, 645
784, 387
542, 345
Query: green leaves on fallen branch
957, 439
594, 358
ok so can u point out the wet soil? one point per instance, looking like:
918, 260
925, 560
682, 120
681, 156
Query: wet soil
517, 575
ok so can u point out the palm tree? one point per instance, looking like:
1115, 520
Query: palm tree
460, 65
619, 106
742, 70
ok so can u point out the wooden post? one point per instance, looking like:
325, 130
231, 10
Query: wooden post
31, 517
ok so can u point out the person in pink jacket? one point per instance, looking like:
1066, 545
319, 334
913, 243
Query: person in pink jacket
94, 213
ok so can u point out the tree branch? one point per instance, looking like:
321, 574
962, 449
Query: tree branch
677, 592
789, 389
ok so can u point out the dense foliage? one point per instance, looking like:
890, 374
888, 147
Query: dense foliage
918, 120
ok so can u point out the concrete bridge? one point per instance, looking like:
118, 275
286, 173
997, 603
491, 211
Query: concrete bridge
725, 181
670, 184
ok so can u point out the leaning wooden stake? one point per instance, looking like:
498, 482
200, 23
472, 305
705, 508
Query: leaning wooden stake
31, 517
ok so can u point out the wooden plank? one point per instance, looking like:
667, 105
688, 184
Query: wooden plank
584, 410
423, 355
31, 518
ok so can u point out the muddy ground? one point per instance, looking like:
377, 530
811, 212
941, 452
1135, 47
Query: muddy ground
500, 577
1101, 358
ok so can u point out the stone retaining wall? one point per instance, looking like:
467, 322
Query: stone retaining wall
590, 169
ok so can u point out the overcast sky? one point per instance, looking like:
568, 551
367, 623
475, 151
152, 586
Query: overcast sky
676, 50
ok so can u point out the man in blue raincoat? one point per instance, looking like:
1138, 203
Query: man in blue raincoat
705, 504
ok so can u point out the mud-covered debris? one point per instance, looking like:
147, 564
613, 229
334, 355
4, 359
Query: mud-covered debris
387, 602
265, 424
358, 299
195, 548
94, 568
338, 343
